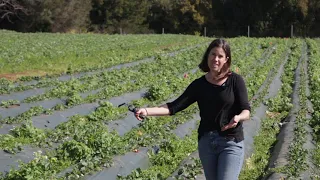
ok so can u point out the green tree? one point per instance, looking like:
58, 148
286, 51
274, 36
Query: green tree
49, 15
183, 16
111, 15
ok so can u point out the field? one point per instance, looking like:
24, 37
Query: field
61, 119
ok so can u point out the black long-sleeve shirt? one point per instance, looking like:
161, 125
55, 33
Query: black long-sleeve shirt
217, 104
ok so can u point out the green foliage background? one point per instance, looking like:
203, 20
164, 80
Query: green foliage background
220, 17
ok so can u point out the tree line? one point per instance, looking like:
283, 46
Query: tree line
219, 17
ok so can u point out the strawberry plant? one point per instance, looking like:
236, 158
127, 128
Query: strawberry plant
9, 103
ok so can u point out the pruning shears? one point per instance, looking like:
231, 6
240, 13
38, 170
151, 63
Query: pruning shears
132, 108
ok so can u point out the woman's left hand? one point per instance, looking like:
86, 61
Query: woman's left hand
233, 123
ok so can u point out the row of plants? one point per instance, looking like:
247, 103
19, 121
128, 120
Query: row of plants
278, 109
108, 79
81, 125
260, 96
9, 103
297, 154
314, 83
257, 76
117, 57
263, 47
54, 53
259, 60
167, 159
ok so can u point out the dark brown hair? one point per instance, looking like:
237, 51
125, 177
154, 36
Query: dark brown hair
225, 70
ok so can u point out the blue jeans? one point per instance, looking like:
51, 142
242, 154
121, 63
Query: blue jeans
221, 157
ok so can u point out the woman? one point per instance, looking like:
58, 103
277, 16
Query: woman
223, 102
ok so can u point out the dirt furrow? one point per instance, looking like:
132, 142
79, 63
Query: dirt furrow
279, 155
309, 144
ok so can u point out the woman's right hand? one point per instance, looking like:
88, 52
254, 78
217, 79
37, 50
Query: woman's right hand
142, 112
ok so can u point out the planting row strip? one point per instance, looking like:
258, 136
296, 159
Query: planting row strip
289, 163
255, 77
262, 61
112, 78
300, 164
277, 109
271, 85
313, 109
109, 56
303, 131
247, 69
84, 76
59, 46
267, 75
251, 54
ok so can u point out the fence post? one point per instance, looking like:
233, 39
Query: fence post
248, 31
291, 31
205, 31
162, 30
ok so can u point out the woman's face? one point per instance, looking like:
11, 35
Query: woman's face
216, 59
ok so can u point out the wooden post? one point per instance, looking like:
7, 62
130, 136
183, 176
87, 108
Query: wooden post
162, 30
205, 31
291, 31
248, 31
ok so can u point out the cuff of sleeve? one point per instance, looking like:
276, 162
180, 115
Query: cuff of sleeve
246, 108
171, 112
